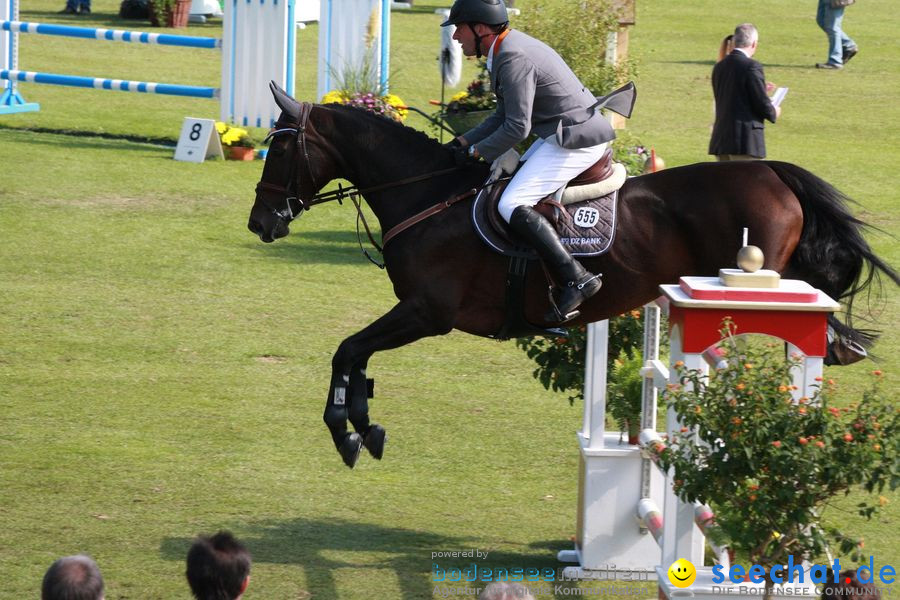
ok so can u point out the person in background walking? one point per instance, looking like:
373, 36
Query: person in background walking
840, 47
77, 7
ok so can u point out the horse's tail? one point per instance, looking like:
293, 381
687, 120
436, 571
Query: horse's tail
832, 254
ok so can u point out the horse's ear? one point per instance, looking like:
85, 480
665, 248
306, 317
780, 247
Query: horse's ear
285, 102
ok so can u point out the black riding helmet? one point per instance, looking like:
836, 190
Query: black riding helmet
490, 12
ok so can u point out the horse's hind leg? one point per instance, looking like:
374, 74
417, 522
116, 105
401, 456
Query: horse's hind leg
407, 322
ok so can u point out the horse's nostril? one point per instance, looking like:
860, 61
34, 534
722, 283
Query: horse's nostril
254, 227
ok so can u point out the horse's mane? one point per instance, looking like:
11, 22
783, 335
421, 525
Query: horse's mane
401, 129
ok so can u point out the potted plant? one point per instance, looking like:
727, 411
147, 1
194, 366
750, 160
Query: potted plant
358, 83
170, 13
768, 464
470, 107
237, 142
624, 394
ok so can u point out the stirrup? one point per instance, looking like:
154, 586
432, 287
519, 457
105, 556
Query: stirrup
554, 315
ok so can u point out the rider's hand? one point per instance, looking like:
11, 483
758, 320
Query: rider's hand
465, 156
505, 164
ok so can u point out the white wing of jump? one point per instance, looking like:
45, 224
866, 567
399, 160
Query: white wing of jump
451, 57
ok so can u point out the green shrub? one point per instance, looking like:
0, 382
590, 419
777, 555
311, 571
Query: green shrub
578, 31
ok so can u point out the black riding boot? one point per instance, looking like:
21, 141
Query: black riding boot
576, 283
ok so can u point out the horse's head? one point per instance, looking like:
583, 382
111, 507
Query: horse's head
291, 177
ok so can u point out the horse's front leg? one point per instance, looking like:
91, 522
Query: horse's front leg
407, 322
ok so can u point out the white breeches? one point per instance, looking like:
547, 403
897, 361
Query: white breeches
547, 168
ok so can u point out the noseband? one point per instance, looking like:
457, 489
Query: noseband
288, 214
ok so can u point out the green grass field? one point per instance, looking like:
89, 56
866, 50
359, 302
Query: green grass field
163, 373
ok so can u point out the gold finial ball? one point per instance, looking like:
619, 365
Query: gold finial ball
750, 259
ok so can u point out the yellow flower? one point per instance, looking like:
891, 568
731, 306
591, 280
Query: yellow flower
334, 97
233, 136
398, 104
221, 127
459, 96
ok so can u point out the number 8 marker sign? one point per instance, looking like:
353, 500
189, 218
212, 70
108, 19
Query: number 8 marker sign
198, 141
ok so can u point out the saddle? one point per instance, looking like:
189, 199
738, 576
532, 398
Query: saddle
583, 213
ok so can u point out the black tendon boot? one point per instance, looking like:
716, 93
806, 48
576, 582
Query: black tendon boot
576, 283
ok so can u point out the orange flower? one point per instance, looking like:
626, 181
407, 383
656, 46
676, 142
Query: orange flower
777, 444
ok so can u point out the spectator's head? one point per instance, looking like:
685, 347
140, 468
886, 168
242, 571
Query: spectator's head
73, 578
746, 37
501, 590
726, 46
849, 586
218, 567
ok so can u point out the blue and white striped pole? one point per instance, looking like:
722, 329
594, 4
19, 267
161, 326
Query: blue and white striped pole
124, 85
113, 35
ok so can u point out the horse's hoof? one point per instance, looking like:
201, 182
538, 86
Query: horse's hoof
350, 448
374, 441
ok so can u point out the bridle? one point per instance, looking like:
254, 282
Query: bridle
288, 214
291, 190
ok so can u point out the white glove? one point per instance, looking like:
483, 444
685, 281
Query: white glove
505, 164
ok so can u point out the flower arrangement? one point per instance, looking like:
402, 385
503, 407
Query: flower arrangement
476, 96
358, 83
769, 465
388, 105
234, 137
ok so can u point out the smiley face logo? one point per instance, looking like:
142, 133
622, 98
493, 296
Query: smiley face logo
682, 573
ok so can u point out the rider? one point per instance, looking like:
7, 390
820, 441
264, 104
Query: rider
536, 91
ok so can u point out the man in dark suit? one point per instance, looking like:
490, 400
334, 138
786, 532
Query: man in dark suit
741, 101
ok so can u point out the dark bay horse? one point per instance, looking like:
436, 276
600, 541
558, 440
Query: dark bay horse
681, 221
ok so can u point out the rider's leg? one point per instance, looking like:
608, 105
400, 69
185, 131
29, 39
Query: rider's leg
547, 169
